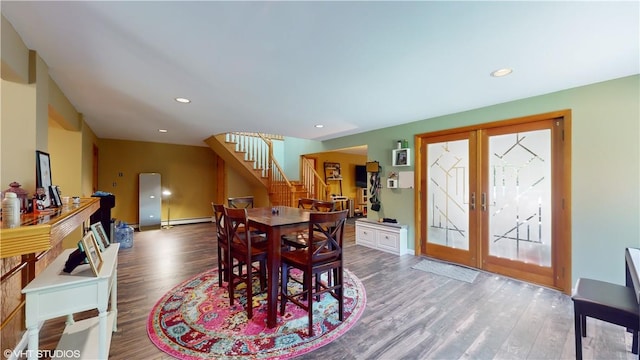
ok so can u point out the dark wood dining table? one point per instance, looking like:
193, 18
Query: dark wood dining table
632, 270
275, 221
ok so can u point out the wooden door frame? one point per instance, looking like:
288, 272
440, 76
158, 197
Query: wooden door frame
562, 222
470, 256
95, 170
221, 182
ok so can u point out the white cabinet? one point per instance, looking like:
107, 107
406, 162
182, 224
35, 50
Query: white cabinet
54, 293
365, 235
387, 237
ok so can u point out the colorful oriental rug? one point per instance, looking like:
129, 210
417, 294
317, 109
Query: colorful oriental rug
194, 321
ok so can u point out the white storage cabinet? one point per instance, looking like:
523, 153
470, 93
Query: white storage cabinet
387, 237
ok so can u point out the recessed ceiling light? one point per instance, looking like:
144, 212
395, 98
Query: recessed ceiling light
319, 126
502, 72
163, 130
183, 100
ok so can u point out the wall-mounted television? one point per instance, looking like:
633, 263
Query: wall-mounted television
361, 176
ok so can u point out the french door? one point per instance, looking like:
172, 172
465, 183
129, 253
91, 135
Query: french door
494, 198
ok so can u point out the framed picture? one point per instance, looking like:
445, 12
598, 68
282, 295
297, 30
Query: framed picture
81, 248
100, 235
43, 170
55, 196
92, 252
401, 157
42, 199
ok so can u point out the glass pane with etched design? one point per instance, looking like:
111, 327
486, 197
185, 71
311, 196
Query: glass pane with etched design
448, 194
519, 196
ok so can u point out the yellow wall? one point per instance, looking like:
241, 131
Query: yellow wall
18, 134
348, 164
15, 64
61, 110
24, 128
238, 185
188, 171
65, 150
89, 140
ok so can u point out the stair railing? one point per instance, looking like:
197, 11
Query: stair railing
311, 180
257, 149
281, 191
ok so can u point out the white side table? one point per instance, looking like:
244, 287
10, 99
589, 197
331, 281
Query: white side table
54, 293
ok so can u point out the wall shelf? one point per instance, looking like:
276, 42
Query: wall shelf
401, 157
40, 232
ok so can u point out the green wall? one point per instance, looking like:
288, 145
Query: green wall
605, 167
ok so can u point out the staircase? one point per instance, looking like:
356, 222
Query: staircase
251, 154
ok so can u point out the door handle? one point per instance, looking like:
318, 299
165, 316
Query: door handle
484, 202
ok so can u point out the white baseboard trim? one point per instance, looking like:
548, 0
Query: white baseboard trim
181, 222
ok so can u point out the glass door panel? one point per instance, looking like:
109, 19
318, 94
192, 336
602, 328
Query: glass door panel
493, 198
449, 219
519, 197
448, 208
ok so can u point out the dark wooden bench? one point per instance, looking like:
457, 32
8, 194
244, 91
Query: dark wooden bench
605, 301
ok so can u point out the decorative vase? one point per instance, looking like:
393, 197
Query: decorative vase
22, 195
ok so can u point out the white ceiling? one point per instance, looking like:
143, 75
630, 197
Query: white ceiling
282, 67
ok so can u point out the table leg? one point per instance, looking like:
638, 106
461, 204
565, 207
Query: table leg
114, 300
628, 281
102, 334
273, 276
32, 342
579, 329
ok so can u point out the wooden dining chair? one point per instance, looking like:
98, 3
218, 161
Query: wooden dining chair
298, 239
244, 202
306, 203
224, 257
323, 256
322, 205
241, 202
246, 249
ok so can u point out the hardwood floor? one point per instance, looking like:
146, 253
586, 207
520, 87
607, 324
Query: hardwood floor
410, 314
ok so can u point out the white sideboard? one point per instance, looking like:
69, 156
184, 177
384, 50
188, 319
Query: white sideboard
387, 237
54, 293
